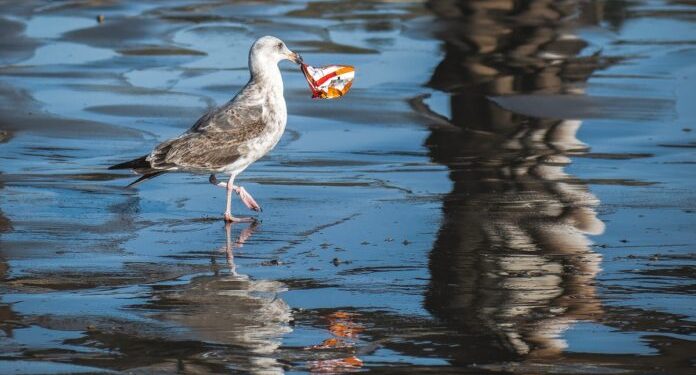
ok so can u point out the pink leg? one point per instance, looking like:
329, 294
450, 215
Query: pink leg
229, 186
244, 195
246, 198
228, 210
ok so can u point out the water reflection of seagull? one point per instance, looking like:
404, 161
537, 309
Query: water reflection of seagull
244, 318
231, 137
229, 246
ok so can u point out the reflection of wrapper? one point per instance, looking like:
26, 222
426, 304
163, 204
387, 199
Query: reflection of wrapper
328, 82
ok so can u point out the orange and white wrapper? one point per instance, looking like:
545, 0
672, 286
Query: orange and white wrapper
329, 82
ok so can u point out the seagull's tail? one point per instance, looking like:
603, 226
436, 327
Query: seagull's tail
141, 166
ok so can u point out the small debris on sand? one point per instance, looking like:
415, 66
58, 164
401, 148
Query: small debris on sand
272, 262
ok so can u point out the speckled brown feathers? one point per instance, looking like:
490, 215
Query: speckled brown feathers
215, 141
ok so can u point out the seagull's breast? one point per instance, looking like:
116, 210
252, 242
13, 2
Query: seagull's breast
273, 118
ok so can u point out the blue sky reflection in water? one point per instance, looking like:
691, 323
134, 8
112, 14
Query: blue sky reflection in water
509, 187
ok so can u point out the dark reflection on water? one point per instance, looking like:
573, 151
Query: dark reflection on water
512, 265
5, 225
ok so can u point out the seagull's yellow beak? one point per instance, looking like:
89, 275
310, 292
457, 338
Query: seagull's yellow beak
295, 57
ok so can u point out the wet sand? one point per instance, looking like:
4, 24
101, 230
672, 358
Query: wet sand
508, 188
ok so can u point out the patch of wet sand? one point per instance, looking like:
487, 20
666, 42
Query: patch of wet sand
583, 107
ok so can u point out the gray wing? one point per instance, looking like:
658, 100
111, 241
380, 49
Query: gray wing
216, 140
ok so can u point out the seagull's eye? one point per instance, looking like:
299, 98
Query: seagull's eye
280, 46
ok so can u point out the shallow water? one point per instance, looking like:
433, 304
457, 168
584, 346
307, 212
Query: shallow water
508, 187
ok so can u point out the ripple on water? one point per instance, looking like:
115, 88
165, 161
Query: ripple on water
62, 53
52, 27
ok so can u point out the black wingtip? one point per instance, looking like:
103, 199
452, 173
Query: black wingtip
140, 162
145, 177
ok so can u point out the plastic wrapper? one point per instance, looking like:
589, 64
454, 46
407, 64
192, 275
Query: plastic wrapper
329, 82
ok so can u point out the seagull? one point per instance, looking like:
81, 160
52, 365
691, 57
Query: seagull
229, 138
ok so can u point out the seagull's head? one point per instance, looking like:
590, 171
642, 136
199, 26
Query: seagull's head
269, 49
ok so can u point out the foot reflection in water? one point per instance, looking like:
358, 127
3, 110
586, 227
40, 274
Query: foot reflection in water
244, 235
244, 315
